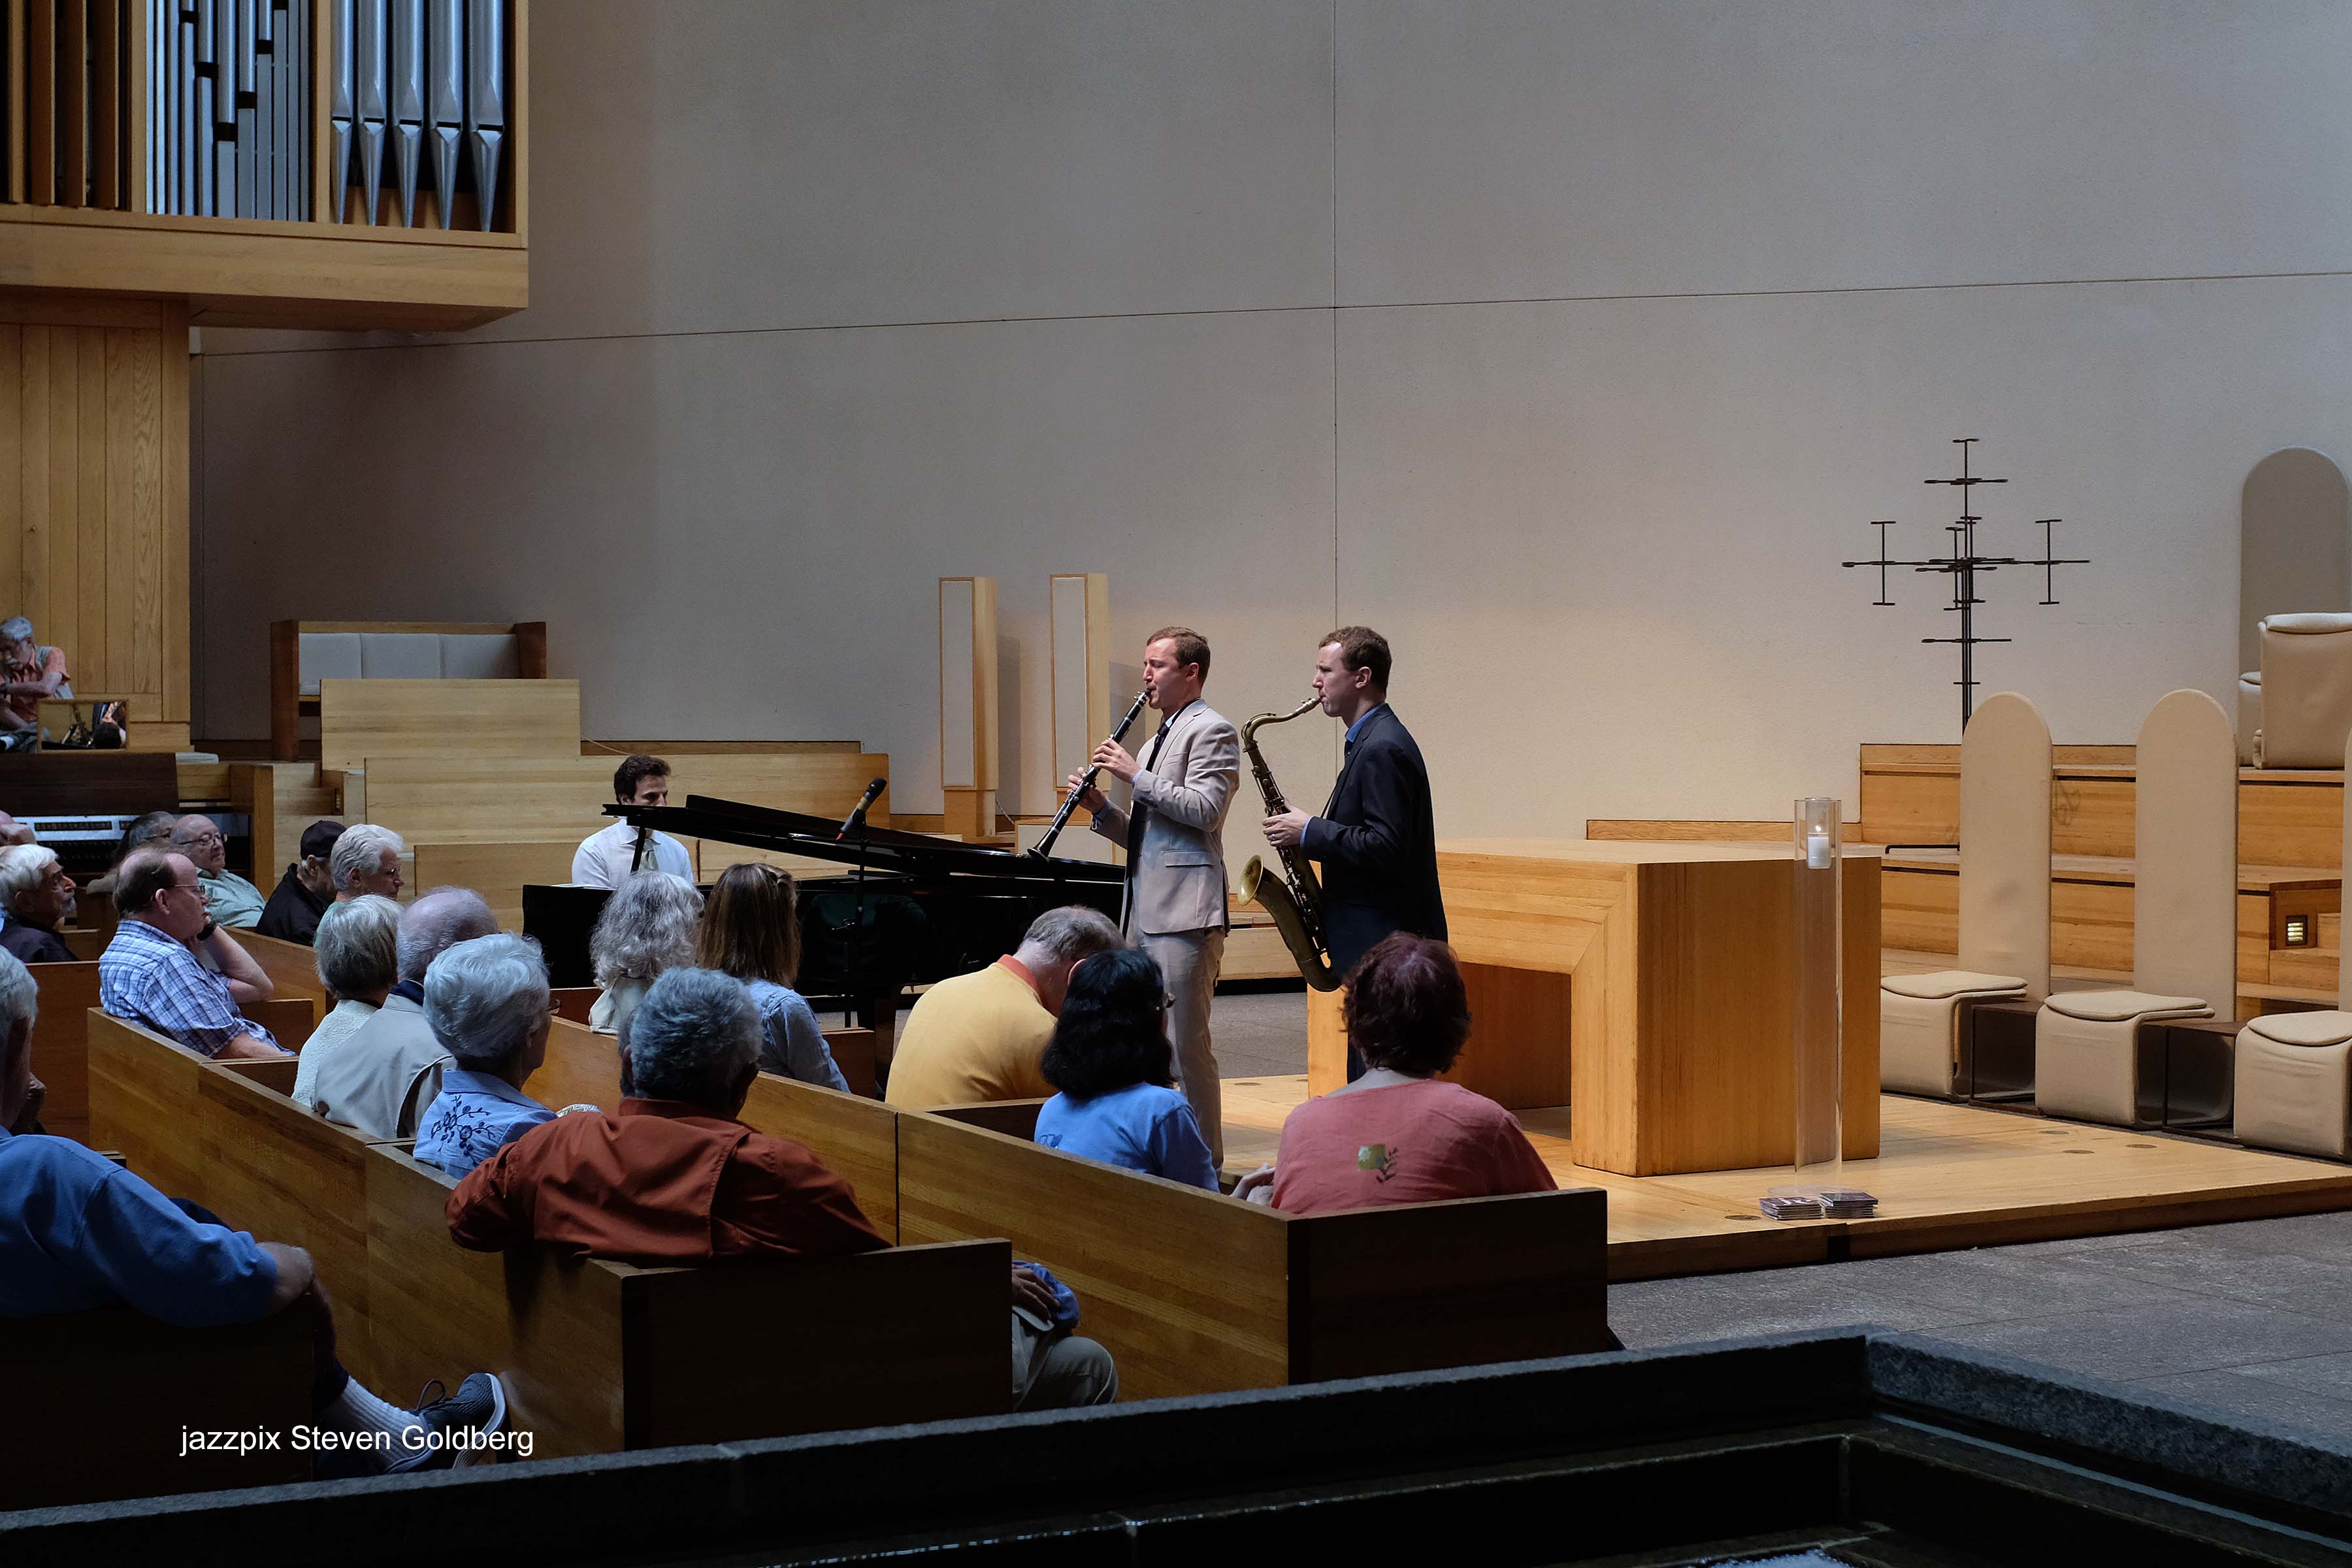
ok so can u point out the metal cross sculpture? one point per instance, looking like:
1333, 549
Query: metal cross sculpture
1963, 565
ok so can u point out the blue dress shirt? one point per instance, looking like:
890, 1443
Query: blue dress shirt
474, 1117
77, 1232
1142, 1127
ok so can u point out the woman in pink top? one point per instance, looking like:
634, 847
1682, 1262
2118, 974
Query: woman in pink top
1399, 1134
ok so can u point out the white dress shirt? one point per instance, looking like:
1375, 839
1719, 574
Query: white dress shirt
605, 858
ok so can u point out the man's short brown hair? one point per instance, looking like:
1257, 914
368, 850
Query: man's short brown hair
1191, 647
146, 873
1360, 648
634, 770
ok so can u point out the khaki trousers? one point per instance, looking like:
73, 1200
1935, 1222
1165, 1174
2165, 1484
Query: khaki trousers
1189, 961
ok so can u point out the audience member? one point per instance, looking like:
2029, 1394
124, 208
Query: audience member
366, 859
306, 889
28, 672
79, 1232
381, 1077
1400, 1134
981, 1036
752, 931
149, 975
358, 958
15, 832
672, 1177
488, 1001
152, 827
21, 1093
1111, 1063
649, 925
37, 897
609, 856
232, 900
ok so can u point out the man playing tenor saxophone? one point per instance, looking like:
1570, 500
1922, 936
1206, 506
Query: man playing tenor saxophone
1375, 838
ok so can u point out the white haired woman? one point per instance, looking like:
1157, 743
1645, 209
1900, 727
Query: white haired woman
489, 1006
357, 951
649, 925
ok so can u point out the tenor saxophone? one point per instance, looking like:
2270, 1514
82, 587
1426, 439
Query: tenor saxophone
1295, 900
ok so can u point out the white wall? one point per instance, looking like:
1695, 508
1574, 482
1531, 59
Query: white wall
1572, 344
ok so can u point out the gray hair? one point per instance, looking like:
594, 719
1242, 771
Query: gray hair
358, 945
361, 848
486, 998
1064, 936
19, 1000
649, 925
692, 1038
437, 922
16, 629
22, 868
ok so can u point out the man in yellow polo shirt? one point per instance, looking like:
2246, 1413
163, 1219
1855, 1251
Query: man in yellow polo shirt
980, 1036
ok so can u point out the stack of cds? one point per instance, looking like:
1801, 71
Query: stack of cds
1818, 1202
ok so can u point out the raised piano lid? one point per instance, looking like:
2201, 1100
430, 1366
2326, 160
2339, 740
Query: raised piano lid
879, 849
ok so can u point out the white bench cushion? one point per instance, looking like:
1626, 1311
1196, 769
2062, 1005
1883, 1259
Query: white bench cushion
2328, 1028
1941, 985
2115, 1006
327, 656
469, 656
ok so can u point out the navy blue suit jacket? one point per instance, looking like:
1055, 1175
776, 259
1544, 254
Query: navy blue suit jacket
1377, 845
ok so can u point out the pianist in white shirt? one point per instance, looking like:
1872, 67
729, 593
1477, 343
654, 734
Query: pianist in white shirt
605, 858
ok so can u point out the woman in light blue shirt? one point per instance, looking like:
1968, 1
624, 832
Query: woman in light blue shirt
751, 930
1110, 1059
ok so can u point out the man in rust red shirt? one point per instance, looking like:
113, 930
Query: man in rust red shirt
672, 1177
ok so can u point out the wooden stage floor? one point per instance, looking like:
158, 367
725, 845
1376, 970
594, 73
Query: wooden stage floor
1947, 1177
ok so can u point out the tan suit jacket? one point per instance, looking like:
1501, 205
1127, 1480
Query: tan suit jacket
1178, 879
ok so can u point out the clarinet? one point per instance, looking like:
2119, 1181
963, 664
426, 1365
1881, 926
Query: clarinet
1044, 845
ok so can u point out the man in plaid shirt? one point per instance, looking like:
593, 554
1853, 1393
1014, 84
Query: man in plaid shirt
149, 972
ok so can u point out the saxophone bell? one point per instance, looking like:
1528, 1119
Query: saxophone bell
1294, 899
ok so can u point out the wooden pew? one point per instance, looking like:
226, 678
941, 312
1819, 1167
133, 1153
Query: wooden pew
223, 1134
112, 1390
599, 1356
576, 1002
288, 1019
854, 1052
361, 721
64, 993
293, 968
1013, 1117
857, 1138
1193, 1292
499, 872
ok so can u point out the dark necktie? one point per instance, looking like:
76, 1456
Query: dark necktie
1136, 808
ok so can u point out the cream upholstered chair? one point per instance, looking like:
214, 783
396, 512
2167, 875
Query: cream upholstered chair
2004, 902
2294, 1073
2184, 918
2306, 691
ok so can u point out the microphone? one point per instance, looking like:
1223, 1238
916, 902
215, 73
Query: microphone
857, 818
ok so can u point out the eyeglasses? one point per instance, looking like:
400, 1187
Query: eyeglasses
195, 839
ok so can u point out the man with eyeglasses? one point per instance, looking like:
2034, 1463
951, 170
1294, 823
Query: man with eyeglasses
150, 973
229, 899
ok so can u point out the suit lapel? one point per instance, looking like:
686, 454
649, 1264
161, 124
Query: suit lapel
1350, 754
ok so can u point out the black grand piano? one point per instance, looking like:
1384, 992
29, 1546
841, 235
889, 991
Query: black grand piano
907, 909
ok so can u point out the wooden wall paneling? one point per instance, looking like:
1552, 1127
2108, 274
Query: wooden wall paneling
143, 563
487, 800
12, 461
64, 993
65, 489
106, 102
120, 577
2253, 939
1133, 1247
2290, 819
15, 177
33, 494
41, 102
359, 720
94, 649
254, 791
73, 105
171, 357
